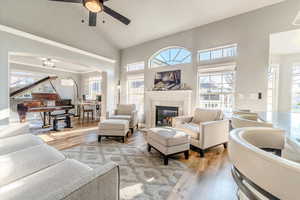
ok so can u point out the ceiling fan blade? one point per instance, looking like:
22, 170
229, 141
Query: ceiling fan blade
68, 1
92, 19
116, 15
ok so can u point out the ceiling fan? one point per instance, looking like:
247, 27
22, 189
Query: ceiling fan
97, 6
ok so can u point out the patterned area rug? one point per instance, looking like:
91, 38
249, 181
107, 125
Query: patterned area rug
143, 175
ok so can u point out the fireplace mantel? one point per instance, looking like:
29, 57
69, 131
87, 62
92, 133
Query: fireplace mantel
173, 98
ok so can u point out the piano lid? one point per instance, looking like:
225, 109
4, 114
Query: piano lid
31, 86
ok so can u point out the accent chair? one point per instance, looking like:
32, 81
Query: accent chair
207, 128
126, 112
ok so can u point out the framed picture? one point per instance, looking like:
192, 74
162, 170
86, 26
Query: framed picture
169, 80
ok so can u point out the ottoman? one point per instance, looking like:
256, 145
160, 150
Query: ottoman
113, 128
168, 141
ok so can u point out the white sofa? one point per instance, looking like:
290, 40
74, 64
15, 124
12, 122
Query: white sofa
207, 128
126, 112
271, 173
246, 120
32, 170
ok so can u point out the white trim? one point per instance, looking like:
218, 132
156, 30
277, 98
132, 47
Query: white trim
52, 43
231, 66
56, 69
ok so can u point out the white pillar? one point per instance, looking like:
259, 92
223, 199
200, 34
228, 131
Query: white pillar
104, 102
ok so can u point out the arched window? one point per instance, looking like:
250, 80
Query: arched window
170, 56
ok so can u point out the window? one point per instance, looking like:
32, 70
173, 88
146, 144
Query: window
135, 66
296, 89
216, 89
136, 92
94, 87
217, 53
171, 56
273, 77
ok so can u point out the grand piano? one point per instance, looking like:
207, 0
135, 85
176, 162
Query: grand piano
44, 103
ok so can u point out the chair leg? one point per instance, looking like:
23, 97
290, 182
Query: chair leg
99, 138
123, 139
186, 154
225, 145
149, 147
166, 160
201, 152
93, 116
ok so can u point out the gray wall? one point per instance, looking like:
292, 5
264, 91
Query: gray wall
250, 31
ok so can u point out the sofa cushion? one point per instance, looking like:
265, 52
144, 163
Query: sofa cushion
114, 124
192, 129
16, 143
54, 182
205, 115
123, 117
13, 130
25, 162
168, 136
125, 109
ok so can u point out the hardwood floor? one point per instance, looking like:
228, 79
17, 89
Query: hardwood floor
208, 178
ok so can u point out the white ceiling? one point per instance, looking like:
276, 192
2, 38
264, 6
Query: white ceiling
153, 19
285, 43
59, 63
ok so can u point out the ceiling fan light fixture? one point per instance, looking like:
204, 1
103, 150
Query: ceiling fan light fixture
93, 5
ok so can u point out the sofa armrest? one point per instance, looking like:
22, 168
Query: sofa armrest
214, 133
102, 184
177, 121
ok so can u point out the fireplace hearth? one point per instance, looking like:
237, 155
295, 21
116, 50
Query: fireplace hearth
165, 115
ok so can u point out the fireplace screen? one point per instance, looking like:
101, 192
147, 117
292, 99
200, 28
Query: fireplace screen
165, 115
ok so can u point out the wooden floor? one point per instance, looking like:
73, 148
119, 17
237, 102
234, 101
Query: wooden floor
208, 178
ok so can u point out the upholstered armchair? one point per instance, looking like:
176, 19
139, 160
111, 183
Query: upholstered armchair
126, 112
247, 120
206, 128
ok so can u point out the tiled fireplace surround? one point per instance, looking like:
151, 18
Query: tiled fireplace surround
177, 98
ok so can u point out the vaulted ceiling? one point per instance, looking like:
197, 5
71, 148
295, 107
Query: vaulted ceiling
151, 19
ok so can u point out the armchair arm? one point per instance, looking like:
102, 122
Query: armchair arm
214, 133
177, 121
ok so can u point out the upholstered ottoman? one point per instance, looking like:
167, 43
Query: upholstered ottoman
113, 128
168, 141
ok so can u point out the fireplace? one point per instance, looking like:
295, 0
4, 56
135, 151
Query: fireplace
165, 115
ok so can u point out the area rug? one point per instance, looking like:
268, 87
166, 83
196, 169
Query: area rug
143, 175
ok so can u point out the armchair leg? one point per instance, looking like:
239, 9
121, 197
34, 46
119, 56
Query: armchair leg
201, 152
149, 147
166, 160
99, 139
186, 154
225, 145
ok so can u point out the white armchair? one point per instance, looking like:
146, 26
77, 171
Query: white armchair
206, 128
245, 120
126, 112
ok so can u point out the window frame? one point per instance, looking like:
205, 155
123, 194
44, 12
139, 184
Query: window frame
292, 86
217, 69
222, 57
134, 78
169, 48
92, 80
135, 63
